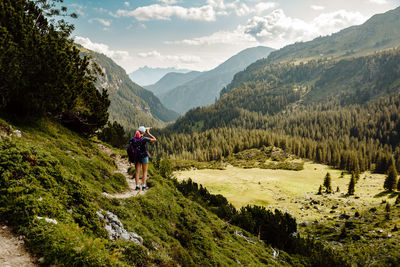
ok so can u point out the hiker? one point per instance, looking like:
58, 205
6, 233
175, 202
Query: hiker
142, 157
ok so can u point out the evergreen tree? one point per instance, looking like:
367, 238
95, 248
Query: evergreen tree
352, 184
320, 190
391, 178
327, 183
41, 70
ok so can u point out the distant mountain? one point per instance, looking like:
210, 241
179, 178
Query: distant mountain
131, 105
172, 80
147, 76
205, 88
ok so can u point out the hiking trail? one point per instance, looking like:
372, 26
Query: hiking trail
122, 167
13, 252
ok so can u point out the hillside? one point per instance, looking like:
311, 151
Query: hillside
131, 105
146, 76
380, 32
170, 81
204, 89
52, 186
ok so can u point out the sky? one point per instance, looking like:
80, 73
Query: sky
201, 34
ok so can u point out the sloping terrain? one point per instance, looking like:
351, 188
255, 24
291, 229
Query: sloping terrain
51, 191
380, 32
131, 105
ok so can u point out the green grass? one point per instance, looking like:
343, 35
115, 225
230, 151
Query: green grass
54, 173
286, 189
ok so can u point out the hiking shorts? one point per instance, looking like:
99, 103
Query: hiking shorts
144, 160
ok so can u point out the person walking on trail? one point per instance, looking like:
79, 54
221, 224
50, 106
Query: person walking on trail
142, 158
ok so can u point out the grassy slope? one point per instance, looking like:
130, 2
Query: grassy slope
52, 172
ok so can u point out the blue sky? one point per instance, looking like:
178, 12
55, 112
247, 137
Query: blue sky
201, 34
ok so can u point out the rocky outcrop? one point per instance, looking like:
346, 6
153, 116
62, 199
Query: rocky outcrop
115, 228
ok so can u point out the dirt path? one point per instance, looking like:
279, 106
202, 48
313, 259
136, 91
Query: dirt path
122, 167
12, 250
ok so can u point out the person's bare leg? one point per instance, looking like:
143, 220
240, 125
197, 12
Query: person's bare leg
137, 172
144, 179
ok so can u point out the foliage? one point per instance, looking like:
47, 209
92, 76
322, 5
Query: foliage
113, 134
391, 179
275, 228
327, 183
352, 184
42, 72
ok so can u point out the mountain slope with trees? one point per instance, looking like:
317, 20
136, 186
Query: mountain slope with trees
131, 104
41, 71
204, 89
338, 111
380, 32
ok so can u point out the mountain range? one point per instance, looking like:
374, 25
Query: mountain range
147, 76
361, 67
204, 88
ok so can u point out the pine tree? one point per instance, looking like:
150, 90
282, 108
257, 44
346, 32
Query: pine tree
327, 183
352, 184
391, 178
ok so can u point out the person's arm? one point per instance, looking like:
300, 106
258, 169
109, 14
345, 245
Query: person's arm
153, 139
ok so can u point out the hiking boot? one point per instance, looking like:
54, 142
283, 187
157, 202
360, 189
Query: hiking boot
137, 188
145, 187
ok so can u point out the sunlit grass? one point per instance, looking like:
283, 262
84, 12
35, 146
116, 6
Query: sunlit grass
289, 190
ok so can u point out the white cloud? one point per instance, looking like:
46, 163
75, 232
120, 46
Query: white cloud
158, 12
106, 23
261, 7
236, 37
178, 59
117, 55
100, 10
379, 2
127, 4
316, 7
153, 53
168, 2
277, 30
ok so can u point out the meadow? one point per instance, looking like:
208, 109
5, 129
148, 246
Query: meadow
291, 191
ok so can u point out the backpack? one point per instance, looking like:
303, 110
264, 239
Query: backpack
134, 149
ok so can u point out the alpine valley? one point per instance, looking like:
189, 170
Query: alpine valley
284, 157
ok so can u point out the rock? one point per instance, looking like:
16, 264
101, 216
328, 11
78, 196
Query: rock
16, 133
47, 219
115, 229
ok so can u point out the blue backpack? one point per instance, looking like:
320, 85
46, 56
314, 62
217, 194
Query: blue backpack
135, 149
